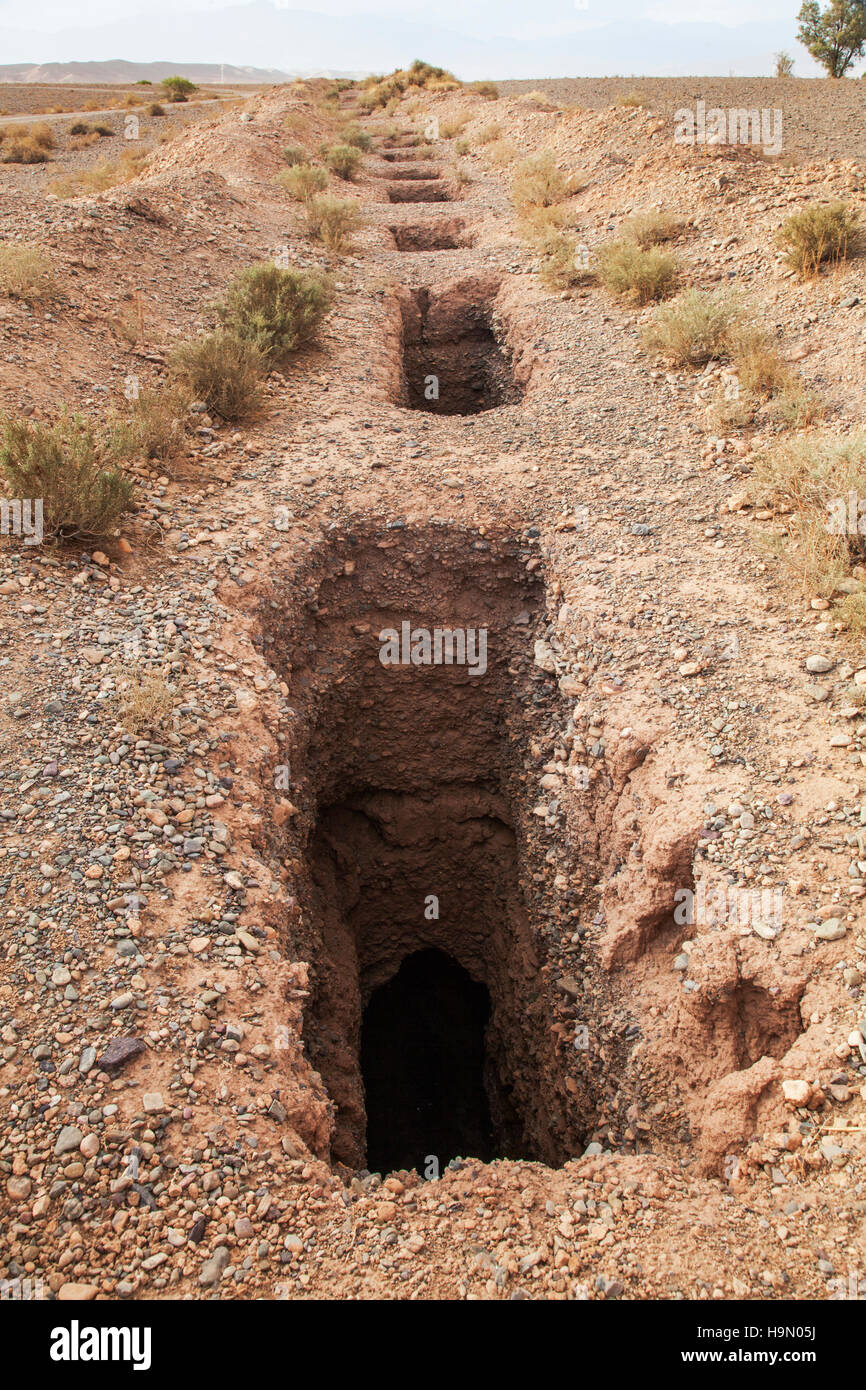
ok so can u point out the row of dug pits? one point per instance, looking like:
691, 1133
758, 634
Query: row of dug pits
456, 1005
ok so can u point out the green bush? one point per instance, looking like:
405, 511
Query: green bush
275, 309
694, 328
354, 135
343, 160
333, 220
819, 234
222, 370
65, 465
303, 181
625, 269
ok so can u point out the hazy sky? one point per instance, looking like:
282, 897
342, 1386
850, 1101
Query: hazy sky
475, 37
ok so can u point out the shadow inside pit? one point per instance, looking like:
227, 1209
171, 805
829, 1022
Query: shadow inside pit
422, 1060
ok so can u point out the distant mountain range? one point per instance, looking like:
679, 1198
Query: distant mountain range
119, 70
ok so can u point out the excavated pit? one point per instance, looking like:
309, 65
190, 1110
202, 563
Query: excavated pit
424, 875
448, 234
447, 897
417, 191
421, 172
454, 362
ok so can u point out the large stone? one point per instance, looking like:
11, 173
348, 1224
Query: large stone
119, 1052
67, 1140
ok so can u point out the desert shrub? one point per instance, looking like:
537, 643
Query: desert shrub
489, 90
25, 271
631, 98
652, 228
303, 181
625, 269
462, 147
276, 309
489, 132
178, 88
819, 234
694, 328
158, 422
814, 474
222, 370
27, 144
454, 126
760, 370
343, 160
155, 109
102, 130
784, 64
538, 183
67, 466
539, 100
354, 135
79, 128
295, 155
538, 224
795, 406
142, 698
102, 176
333, 220
563, 265
501, 153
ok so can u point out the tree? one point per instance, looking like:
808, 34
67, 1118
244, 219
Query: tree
835, 36
178, 88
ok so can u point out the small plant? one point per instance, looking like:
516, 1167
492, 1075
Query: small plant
818, 235
158, 422
453, 126
333, 220
295, 155
784, 64
488, 90
223, 371
813, 475
691, 330
539, 183
25, 271
178, 88
276, 309
563, 265
79, 128
343, 160
489, 132
631, 98
303, 181
65, 465
502, 153
27, 144
462, 147
652, 228
354, 135
143, 699
625, 269
155, 109
538, 100
759, 368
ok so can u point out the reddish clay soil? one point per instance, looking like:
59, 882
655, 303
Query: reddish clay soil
205, 926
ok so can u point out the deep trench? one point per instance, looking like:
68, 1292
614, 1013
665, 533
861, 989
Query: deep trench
446, 234
419, 191
453, 359
428, 1020
443, 922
